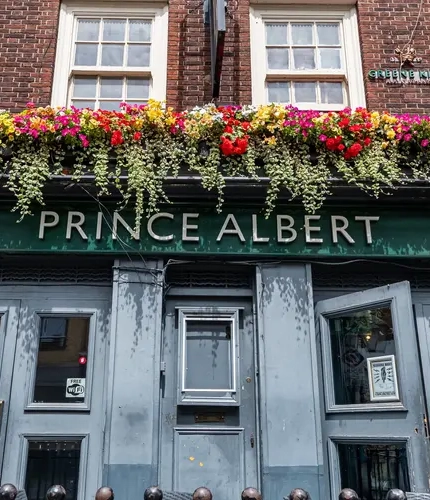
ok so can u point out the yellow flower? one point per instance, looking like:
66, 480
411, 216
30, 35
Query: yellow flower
271, 141
385, 145
391, 134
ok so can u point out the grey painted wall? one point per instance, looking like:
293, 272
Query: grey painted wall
131, 441
291, 449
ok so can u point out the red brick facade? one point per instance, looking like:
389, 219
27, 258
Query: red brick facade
28, 35
28, 32
384, 26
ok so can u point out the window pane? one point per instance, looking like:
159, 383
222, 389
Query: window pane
110, 105
330, 58
113, 30
278, 92
137, 88
111, 87
83, 104
328, 34
138, 55
62, 360
356, 336
86, 54
139, 30
88, 30
305, 92
112, 55
304, 58
276, 34
278, 58
84, 86
302, 34
52, 462
331, 93
208, 355
373, 469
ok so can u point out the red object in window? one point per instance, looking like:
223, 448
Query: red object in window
83, 360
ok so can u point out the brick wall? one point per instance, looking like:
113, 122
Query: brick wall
189, 55
28, 39
28, 31
385, 25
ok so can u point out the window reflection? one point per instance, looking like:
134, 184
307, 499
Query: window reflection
356, 336
52, 462
373, 469
62, 360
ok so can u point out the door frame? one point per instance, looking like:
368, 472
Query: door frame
16, 294
220, 294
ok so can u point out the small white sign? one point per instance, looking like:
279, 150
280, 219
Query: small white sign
383, 378
75, 388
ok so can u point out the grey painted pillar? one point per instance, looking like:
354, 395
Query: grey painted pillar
290, 417
131, 440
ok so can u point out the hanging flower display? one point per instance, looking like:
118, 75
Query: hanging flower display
301, 151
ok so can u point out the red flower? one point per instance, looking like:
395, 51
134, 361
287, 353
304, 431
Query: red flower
117, 138
333, 142
228, 129
137, 136
367, 141
226, 146
245, 125
242, 145
353, 151
344, 122
355, 128
341, 147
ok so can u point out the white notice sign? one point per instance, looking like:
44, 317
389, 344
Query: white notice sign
75, 388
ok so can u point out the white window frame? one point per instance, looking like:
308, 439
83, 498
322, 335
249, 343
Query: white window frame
69, 11
352, 75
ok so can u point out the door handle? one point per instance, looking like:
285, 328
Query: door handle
251, 440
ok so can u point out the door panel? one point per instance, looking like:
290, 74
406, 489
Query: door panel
208, 421
56, 410
374, 404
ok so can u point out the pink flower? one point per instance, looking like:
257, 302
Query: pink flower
322, 138
85, 142
30, 105
407, 137
424, 143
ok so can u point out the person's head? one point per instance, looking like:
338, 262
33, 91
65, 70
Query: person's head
56, 492
348, 494
8, 492
153, 493
396, 494
202, 493
105, 493
251, 494
298, 494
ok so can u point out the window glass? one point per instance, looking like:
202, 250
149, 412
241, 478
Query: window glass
208, 355
354, 337
296, 53
373, 469
108, 92
52, 462
62, 360
118, 46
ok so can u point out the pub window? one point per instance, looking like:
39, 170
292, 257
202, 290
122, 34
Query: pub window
306, 59
107, 56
